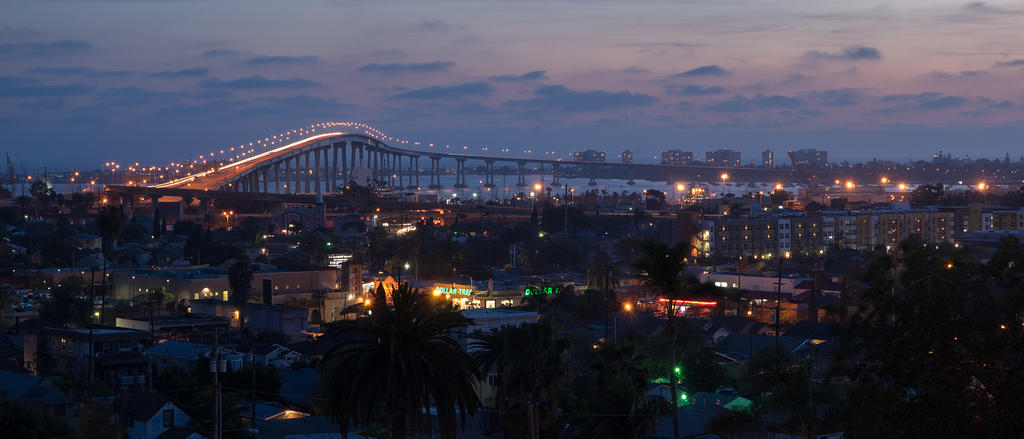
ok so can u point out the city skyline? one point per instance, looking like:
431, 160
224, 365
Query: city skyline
892, 81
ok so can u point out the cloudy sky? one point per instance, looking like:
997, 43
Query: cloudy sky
82, 82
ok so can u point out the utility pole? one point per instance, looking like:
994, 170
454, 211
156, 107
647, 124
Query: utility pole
216, 367
565, 200
778, 302
215, 428
252, 392
92, 321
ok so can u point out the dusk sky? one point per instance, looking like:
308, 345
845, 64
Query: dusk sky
82, 82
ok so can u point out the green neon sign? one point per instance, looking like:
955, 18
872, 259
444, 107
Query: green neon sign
538, 291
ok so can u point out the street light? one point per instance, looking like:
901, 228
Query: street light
725, 177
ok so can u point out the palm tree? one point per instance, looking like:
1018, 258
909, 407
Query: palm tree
399, 362
110, 220
530, 366
661, 268
240, 281
616, 385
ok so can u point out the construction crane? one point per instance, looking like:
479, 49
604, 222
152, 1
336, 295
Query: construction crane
812, 181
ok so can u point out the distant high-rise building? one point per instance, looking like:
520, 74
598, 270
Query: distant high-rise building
809, 157
627, 156
588, 155
723, 157
768, 158
676, 157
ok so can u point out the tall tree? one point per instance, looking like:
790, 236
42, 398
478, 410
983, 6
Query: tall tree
614, 395
661, 269
66, 306
531, 372
397, 363
26, 421
97, 422
240, 281
938, 345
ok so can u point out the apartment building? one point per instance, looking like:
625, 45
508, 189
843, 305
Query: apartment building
815, 232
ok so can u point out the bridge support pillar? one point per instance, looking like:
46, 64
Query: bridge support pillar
346, 175
376, 166
295, 176
204, 209
592, 182
398, 167
435, 173
521, 174
362, 163
306, 172
489, 174
554, 174
460, 173
333, 181
389, 169
277, 177
316, 169
416, 170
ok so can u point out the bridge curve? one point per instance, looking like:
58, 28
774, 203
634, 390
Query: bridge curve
310, 164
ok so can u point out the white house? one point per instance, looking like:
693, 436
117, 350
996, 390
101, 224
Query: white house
152, 415
281, 357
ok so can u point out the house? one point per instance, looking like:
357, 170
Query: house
195, 327
352, 225
116, 353
743, 347
35, 391
270, 412
309, 427
87, 241
153, 415
815, 331
485, 319
299, 219
278, 356
185, 355
721, 327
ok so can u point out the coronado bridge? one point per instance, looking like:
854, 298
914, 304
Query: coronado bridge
325, 162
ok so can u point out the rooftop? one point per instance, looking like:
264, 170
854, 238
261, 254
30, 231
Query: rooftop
496, 313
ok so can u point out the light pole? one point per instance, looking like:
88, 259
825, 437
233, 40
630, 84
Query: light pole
725, 177
467, 277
